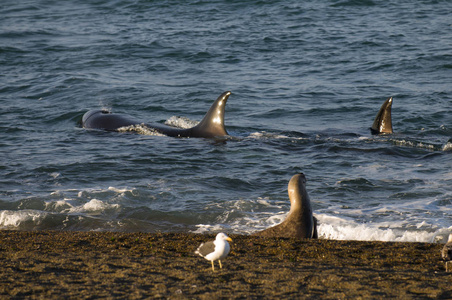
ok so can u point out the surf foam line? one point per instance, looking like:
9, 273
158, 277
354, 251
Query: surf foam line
335, 228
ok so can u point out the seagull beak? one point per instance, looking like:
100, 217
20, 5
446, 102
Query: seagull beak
229, 239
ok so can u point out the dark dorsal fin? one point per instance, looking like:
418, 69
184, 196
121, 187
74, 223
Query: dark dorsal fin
383, 121
213, 122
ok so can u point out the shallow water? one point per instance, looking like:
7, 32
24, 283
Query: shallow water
307, 80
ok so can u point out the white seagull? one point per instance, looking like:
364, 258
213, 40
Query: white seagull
215, 250
447, 250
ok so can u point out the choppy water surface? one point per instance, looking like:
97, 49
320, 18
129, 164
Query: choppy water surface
307, 79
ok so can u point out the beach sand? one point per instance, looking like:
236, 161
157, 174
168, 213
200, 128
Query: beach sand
81, 265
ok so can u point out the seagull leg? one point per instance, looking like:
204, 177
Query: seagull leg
220, 264
213, 268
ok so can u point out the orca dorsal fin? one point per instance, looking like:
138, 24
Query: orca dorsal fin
213, 122
383, 121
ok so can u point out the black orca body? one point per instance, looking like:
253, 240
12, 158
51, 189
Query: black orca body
212, 125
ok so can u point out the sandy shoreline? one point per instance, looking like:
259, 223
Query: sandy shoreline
50, 265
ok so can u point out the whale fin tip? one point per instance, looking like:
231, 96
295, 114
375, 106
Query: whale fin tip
383, 121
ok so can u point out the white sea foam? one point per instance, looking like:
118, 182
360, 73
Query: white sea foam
269, 135
205, 228
93, 205
336, 228
414, 144
181, 122
264, 201
119, 191
447, 147
55, 175
86, 200
9, 218
140, 129
59, 205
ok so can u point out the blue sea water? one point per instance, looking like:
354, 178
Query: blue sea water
307, 79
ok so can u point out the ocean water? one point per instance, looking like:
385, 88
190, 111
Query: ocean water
307, 79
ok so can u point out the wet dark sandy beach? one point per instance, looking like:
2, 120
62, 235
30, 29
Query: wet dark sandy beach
83, 265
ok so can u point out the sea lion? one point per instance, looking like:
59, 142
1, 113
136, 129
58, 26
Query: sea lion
300, 222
